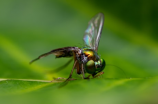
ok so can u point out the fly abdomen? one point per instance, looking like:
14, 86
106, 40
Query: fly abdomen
64, 52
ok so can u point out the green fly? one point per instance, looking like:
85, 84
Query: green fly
86, 59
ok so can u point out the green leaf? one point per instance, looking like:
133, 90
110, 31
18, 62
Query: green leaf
99, 90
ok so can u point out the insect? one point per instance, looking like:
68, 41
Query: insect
86, 59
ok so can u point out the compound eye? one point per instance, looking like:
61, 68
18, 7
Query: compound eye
100, 65
90, 67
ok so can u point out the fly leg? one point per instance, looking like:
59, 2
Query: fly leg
69, 78
94, 76
62, 67
71, 72
83, 72
88, 77
98, 74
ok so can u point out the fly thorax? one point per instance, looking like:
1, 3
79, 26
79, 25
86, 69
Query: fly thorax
78, 54
90, 54
84, 59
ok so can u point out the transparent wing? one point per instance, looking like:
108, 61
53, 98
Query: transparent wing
93, 32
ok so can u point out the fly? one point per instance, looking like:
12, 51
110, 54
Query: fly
86, 59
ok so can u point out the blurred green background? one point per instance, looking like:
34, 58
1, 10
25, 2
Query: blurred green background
129, 41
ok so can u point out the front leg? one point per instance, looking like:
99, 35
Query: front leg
100, 73
94, 76
88, 77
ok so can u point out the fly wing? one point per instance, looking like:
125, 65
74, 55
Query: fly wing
60, 52
93, 32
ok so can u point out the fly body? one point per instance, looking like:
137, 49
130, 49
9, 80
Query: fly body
86, 59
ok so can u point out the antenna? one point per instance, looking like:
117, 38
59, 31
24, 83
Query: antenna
118, 68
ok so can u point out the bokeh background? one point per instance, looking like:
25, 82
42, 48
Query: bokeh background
129, 41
